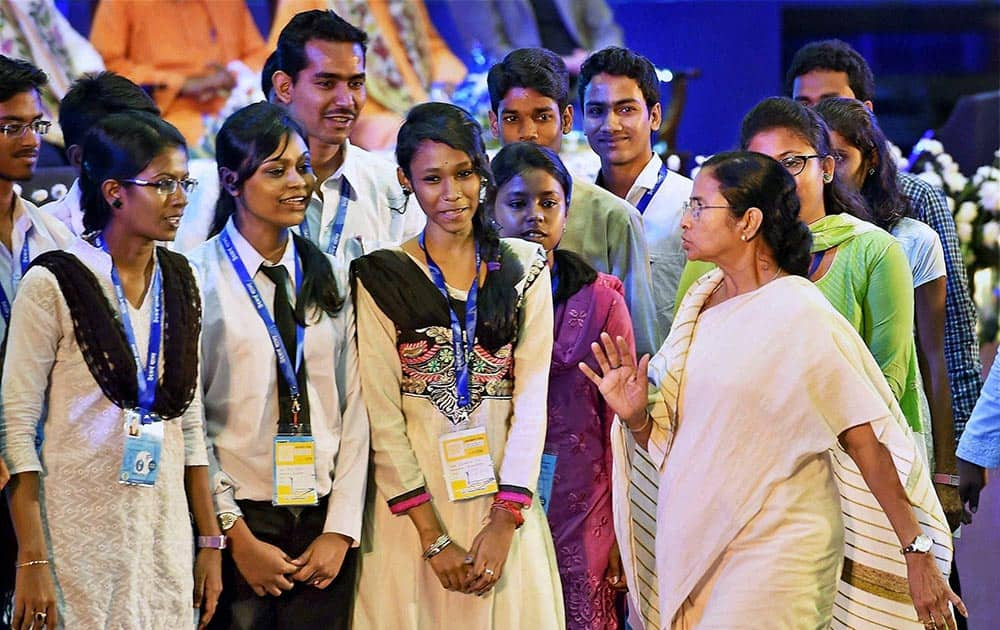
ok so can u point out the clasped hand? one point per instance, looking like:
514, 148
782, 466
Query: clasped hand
269, 570
477, 571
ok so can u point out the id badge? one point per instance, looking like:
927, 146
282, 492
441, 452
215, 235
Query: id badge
546, 475
294, 470
143, 443
467, 464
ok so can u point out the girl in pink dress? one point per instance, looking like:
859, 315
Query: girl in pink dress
533, 193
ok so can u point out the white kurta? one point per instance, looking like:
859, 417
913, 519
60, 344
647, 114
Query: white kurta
122, 556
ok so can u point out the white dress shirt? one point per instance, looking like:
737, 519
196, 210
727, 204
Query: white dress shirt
375, 216
662, 222
240, 384
67, 209
42, 232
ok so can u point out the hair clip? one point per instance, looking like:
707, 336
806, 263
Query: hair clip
493, 265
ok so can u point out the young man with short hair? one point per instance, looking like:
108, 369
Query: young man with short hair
358, 205
89, 99
25, 230
620, 93
529, 97
830, 68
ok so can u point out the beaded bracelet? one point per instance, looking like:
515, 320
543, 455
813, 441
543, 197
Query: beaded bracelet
437, 546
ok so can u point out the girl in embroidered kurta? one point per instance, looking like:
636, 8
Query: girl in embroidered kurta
764, 549
290, 562
103, 354
865, 163
533, 191
467, 433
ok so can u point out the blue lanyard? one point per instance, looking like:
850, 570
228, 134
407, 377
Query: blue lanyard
463, 340
338, 222
148, 376
641, 206
284, 364
817, 258
25, 262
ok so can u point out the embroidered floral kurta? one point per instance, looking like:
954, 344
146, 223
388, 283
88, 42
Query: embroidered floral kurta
579, 435
408, 380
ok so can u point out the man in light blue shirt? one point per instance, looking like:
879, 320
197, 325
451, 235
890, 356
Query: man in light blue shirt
979, 447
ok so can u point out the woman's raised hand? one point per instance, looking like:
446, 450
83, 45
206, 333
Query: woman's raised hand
622, 382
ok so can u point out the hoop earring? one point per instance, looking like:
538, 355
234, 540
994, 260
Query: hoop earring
827, 178
871, 171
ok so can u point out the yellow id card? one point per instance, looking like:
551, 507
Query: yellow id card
294, 470
467, 464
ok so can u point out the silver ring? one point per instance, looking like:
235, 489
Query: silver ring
488, 572
40, 616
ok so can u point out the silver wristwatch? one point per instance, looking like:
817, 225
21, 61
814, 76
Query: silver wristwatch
920, 544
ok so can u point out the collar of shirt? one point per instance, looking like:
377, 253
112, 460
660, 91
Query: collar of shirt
252, 259
646, 180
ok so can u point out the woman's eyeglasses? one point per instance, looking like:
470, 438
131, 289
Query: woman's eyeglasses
166, 186
795, 164
695, 207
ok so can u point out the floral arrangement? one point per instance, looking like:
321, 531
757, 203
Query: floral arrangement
974, 202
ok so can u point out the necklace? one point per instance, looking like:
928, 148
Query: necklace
777, 274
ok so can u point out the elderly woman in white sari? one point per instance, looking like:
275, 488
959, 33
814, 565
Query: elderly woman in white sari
764, 400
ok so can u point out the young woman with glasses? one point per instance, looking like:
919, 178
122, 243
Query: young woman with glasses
101, 369
865, 163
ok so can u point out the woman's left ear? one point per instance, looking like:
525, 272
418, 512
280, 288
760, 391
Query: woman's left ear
829, 165
753, 219
228, 180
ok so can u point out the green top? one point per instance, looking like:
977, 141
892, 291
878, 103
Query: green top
870, 284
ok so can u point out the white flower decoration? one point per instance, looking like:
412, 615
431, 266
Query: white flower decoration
951, 203
989, 194
967, 212
991, 232
59, 191
930, 145
964, 232
956, 181
40, 195
674, 163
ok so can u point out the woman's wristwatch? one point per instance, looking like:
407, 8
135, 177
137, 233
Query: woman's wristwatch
920, 544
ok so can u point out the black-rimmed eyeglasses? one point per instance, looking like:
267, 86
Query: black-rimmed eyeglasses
795, 164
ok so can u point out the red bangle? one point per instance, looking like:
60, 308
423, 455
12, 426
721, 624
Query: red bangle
946, 479
511, 507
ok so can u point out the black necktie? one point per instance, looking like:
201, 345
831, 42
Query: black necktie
284, 318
